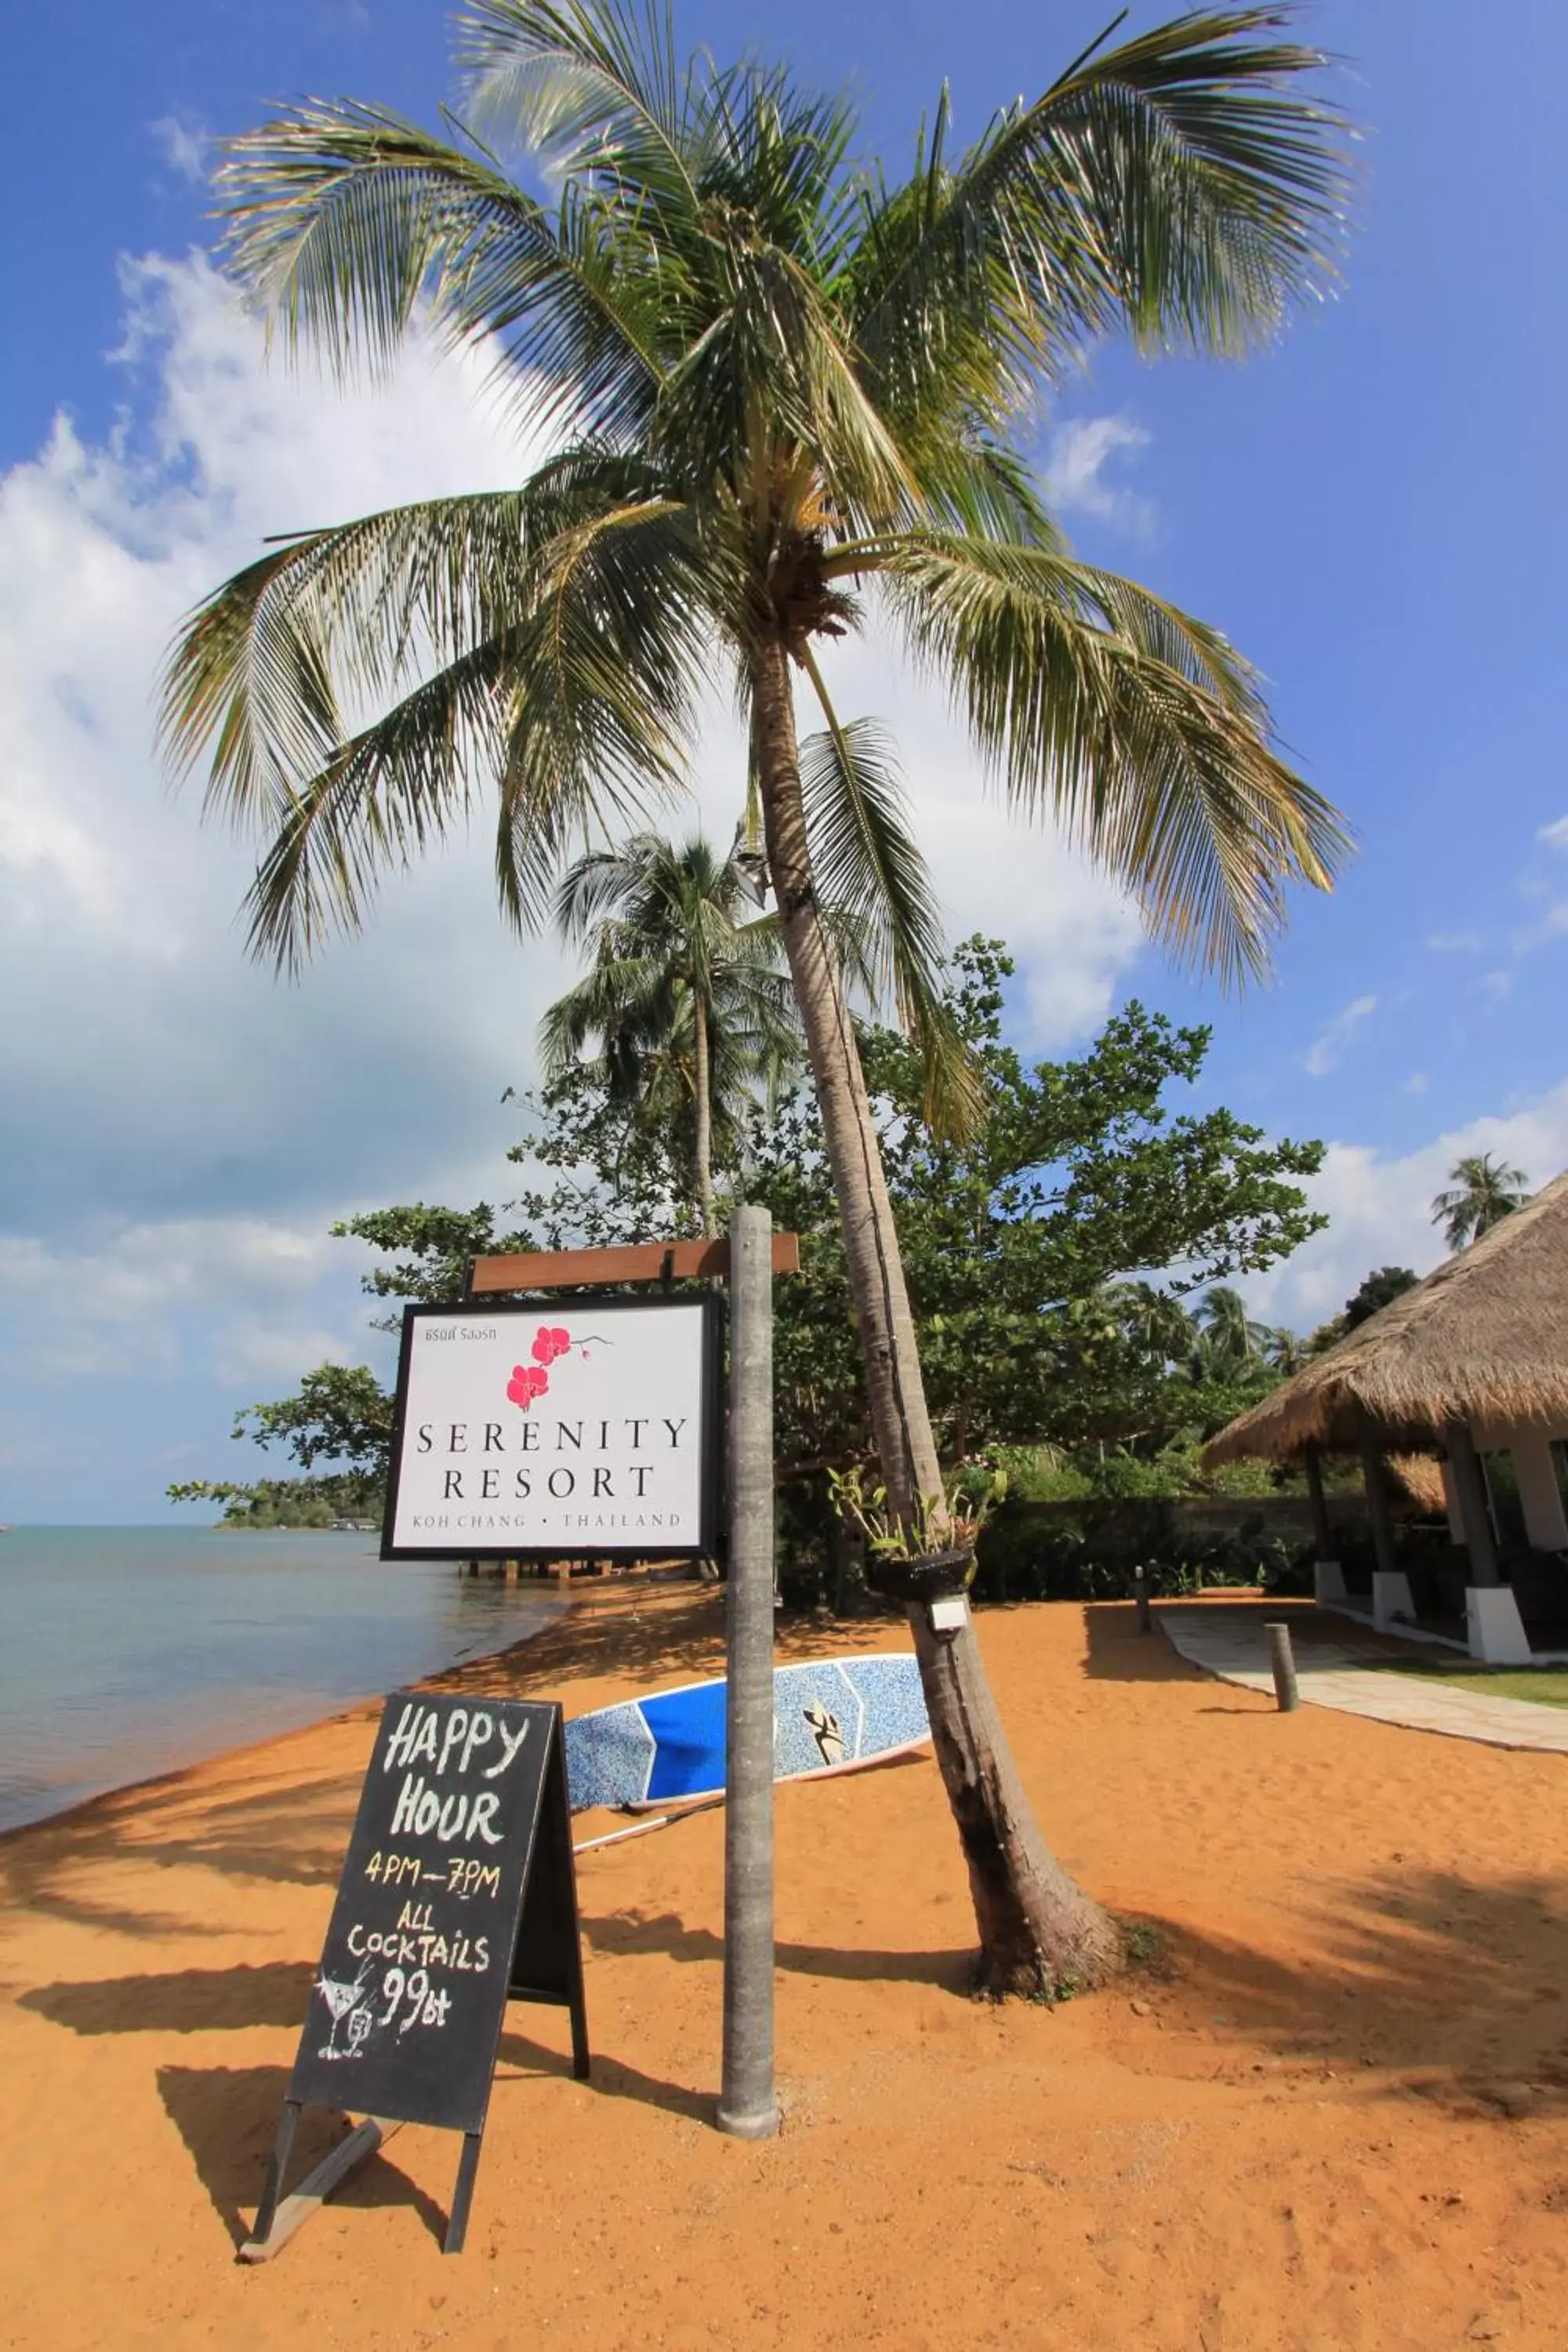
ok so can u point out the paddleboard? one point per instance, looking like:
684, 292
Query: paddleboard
830, 1715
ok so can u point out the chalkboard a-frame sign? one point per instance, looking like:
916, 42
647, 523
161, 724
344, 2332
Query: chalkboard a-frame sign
457, 1895
589, 1426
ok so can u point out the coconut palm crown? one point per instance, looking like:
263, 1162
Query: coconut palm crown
686, 1000
1481, 1191
786, 395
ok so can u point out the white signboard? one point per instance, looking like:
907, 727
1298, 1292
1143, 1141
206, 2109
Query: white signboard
565, 1431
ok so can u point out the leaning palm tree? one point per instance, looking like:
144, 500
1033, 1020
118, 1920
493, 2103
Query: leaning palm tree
1483, 1191
688, 1003
786, 396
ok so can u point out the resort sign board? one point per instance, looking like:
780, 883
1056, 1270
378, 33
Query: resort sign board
528, 1432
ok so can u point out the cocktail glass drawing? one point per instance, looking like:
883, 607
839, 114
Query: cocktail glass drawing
341, 1998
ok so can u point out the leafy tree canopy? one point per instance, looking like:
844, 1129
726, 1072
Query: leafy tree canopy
1045, 1253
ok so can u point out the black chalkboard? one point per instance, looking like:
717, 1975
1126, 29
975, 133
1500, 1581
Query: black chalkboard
458, 1893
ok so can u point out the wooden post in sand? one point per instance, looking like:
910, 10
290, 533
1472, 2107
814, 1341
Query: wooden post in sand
747, 2106
1282, 1662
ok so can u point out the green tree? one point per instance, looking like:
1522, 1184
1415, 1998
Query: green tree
685, 1000
1378, 1291
1483, 1191
342, 1415
779, 382
1044, 1252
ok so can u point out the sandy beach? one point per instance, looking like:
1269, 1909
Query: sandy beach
1336, 2115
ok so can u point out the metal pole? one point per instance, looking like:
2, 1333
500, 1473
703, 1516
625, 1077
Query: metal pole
1281, 1658
747, 2106
1141, 1595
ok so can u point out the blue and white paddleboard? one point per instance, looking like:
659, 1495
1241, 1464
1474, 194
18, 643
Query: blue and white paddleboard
830, 1715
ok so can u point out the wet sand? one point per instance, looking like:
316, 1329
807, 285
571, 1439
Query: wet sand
1336, 2114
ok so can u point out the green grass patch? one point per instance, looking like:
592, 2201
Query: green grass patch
1548, 1685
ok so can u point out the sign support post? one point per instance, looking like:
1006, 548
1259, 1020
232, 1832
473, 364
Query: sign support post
747, 2106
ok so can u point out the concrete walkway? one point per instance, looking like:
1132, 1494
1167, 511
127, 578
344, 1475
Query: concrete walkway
1231, 1643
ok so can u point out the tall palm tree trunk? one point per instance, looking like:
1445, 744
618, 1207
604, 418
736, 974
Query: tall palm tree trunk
702, 1146
1038, 1931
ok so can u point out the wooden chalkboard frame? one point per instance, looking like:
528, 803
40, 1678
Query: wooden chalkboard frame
545, 1964
709, 1540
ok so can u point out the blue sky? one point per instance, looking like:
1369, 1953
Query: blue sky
1373, 512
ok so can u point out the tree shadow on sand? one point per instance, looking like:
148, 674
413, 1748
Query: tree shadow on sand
635, 1934
293, 1834
1451, 1988
206, 2001
185, 2000
646, 1639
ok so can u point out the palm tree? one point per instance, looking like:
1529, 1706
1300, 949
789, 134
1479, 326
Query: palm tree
1233, 1338
688, 1003
1484, 1192
785, 395
1284, 1352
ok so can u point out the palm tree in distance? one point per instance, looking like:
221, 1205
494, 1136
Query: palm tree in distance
687, 1003
1483, 1191
786, 396
1229, 1336
1284, 1352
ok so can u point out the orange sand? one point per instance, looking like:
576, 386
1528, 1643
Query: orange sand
1338, 2120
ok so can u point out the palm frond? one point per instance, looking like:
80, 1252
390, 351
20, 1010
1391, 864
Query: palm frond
1177, 184
342, 217
771, 382
868, 868
626, 1002
383, 795
591, 91
1142, 730
607, 671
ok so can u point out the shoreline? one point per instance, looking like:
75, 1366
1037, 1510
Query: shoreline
362, 1709
1356, 2043
193, 1749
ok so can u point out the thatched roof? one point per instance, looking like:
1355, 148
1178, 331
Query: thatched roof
1418, 1484
1483, 1339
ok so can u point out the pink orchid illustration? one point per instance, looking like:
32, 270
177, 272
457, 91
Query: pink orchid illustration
550, 1340
527, 1381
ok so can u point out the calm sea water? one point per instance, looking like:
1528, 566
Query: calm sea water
125, 1651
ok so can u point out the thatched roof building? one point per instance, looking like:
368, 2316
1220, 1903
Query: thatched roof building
1483, 1339
1470, 1366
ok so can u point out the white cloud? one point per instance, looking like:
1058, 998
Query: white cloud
1416, 1083
1078, 452
155, 1065
179, 1126
1495, 986
183, 144
1379, 1208
228, 1298
1454, 942
1555, 836
1326, 1052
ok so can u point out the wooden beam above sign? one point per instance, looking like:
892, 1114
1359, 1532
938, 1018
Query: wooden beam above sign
637, 1262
